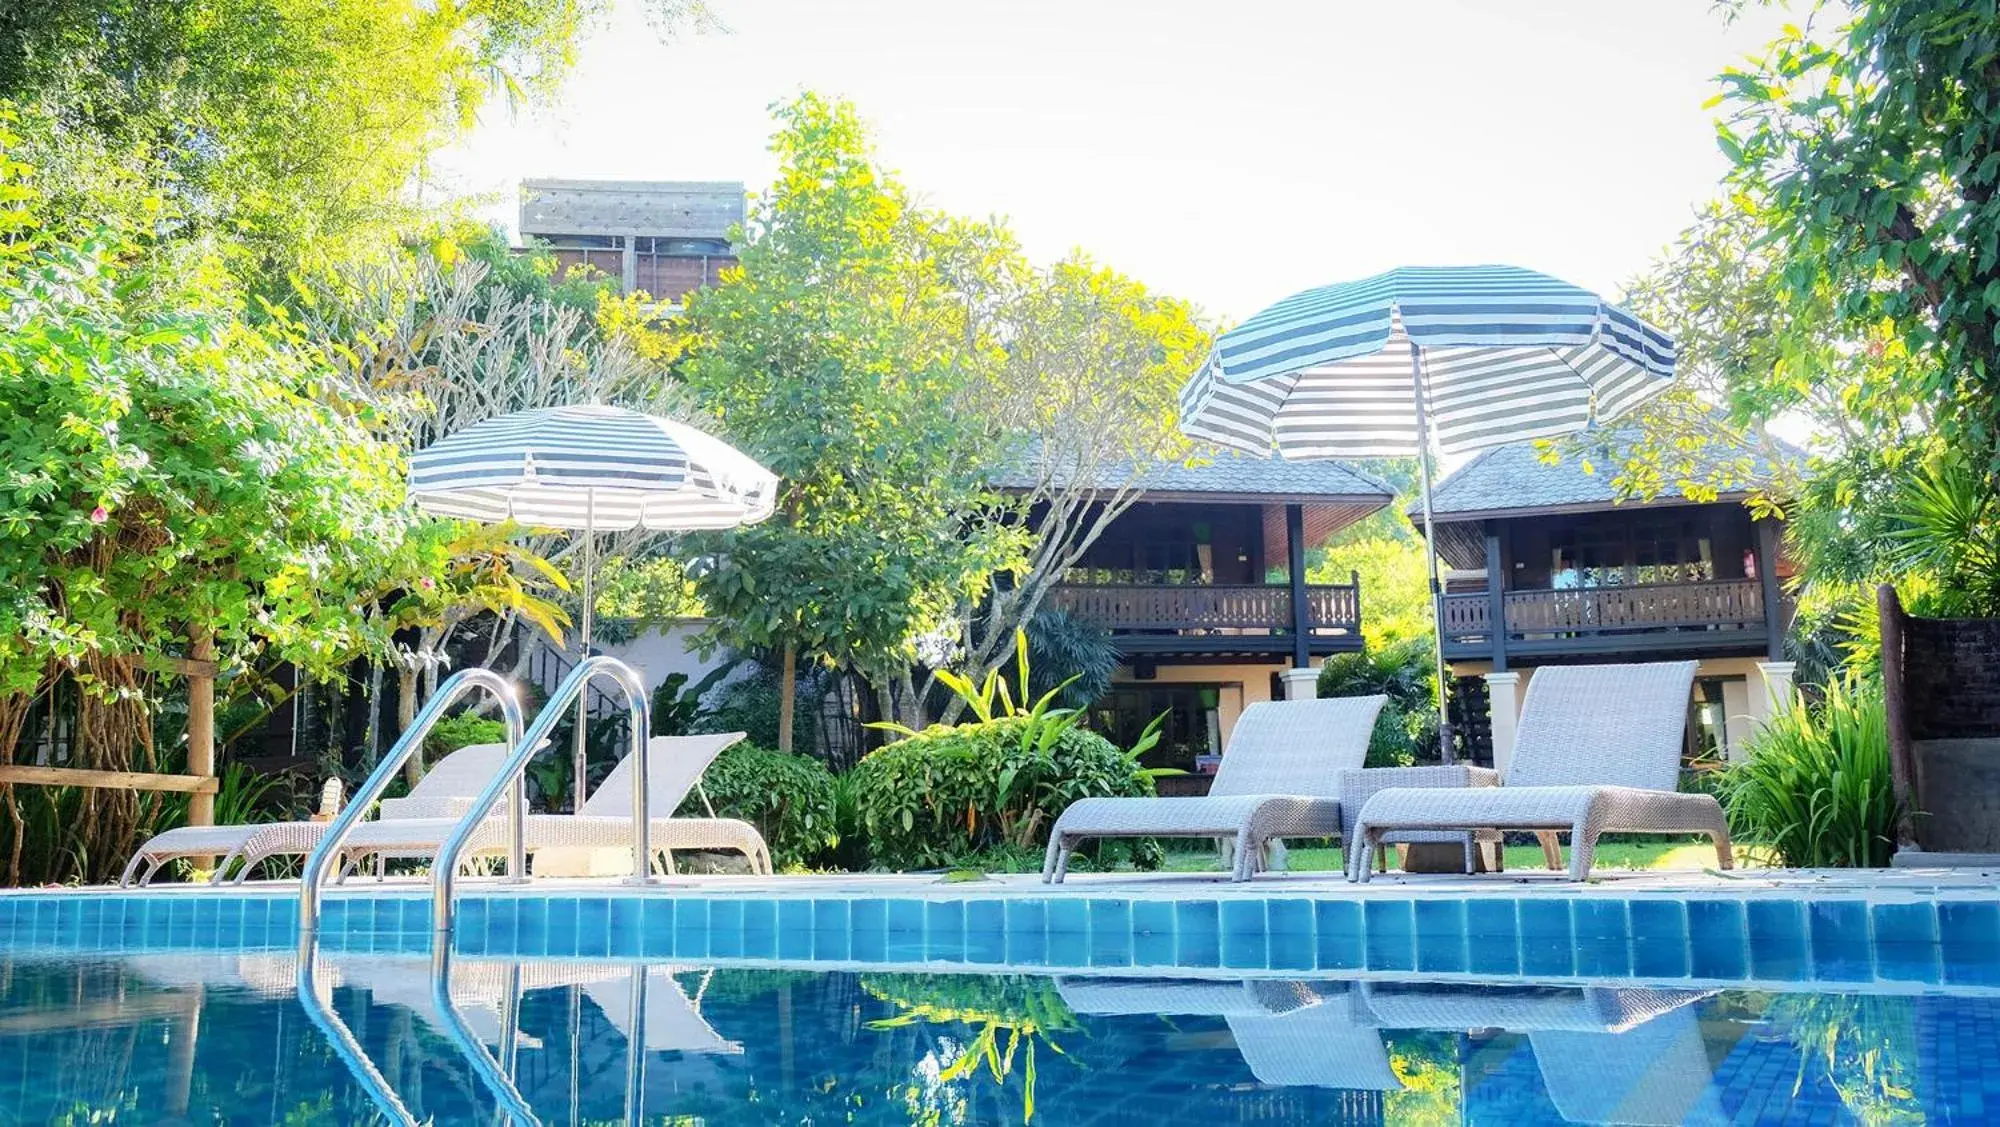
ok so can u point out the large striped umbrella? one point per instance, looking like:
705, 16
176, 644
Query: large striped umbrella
591, 469
1478, 355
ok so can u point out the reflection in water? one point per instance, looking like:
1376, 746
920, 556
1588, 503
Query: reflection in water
231, 1039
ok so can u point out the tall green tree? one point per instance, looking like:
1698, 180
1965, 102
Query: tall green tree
285, 132
1866, 146
839, 353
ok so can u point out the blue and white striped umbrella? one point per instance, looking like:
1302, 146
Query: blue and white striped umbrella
1503, 354
588, 467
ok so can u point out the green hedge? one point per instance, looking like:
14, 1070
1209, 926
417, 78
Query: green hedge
463, 730
789, 798
936, 797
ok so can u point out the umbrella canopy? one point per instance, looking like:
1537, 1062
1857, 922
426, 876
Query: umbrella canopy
603, 468
1473, 356
1507, 355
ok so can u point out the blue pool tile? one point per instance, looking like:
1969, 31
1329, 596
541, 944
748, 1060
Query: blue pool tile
905, 938
1069, 933
944, 920
1027, 933
1841, 949
725, 928
1906, 942
1068, 915
593, 928
760, 929
1291, 944
111, 924
868, 915
627, 927
795, 929
1198, 933
656, 923
1245, 935
1718, 946
1777, 934
468, 929
1152, 933
1603, 939
1391, 934
69, 920
1969, 941
9, 905
691, 927
503, 925
1441, 937
985, 932
1289, 917
559, 919
1547, 944
1659, 939
832, 932
906, 916
1110, 933
1337, 934
1492, 936
869, 944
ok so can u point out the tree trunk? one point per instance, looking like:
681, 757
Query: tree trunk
788, 687
374, 714
885, 709
406, 714
913, 701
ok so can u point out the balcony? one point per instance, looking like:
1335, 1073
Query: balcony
1243, 620
1715, 615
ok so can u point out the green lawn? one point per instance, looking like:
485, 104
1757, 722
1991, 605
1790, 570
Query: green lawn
1656, 853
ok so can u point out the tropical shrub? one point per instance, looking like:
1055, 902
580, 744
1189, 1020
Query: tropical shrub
1815, 789
1070, 654
463, 730
789, 798
939, 795
677, 704
1406, 728
751, 705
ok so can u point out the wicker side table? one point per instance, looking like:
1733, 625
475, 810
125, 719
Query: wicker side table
1357, 785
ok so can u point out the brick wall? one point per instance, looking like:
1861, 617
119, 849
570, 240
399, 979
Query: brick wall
1952, 677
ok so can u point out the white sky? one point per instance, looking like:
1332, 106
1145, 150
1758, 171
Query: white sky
1229, 153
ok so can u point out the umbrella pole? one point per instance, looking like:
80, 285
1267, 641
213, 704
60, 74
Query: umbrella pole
580, 746
1430, 552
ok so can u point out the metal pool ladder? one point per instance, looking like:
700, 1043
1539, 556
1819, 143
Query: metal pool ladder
318, 864
639, 722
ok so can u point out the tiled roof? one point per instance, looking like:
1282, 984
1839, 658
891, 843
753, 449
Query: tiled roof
1514, 477
697, 209
1226, 473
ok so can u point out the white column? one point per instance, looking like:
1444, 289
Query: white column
1737, 723
1503, 696
1300, 684
1773, 689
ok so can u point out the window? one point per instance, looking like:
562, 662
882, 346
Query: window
1192, 727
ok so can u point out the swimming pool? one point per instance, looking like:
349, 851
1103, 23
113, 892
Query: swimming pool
1000, 1003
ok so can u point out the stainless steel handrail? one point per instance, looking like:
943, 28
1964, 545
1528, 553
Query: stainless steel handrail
496, 1076
454, 687
345, 1046
639, 712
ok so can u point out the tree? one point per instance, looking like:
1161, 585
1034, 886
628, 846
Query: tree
283, 131
1869, 157
838, 353
168, 488
1088, 390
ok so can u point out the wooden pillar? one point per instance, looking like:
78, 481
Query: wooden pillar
1896, 708
1295, 557
200, 670
1767, 579
1496, 600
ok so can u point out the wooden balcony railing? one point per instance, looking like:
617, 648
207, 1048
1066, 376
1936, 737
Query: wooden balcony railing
1248, 608
1582, 613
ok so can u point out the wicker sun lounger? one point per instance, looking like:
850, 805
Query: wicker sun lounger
1279, 778
674, 768
447, 789
1598, 751
1291, 1034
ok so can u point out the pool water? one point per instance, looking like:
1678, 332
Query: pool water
225, 1037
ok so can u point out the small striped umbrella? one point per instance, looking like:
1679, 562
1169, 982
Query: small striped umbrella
1475, 356
591, 469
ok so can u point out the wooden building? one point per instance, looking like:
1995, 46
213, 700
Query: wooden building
662, 237
1202, 586
1548, 567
